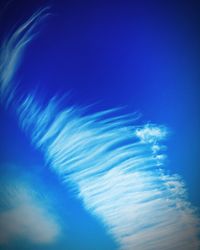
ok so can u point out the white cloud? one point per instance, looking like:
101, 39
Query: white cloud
26, 218
117, 172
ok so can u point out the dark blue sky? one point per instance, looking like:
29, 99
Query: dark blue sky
142, 55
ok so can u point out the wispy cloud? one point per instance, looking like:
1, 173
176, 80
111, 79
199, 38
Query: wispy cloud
12, 50
25, 216
116, 169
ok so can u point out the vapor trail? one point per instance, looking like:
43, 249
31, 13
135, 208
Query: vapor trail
114, 167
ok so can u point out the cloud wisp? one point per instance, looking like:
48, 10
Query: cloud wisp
114, 167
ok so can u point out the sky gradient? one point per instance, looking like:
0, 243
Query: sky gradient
141, 56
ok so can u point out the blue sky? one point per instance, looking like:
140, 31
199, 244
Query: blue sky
143, 56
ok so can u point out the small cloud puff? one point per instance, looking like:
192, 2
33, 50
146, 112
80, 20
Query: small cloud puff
27, 219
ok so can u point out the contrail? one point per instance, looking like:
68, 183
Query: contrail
114, 166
